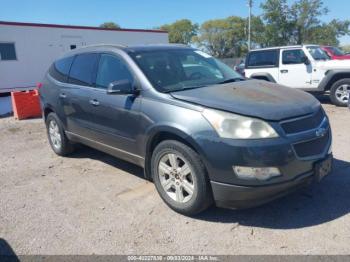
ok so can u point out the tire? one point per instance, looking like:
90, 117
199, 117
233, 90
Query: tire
57, 137
340, 92
182, 181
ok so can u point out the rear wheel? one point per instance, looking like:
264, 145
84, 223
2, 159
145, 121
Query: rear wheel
340, 92
180, 178
57, 137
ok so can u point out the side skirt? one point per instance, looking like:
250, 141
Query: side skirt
119, 153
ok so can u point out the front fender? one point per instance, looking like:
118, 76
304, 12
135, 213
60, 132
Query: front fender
330, 75
172, 130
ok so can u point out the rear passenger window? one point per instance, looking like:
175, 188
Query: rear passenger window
290, 57
111, 69
83, 69
268, 58
60, 69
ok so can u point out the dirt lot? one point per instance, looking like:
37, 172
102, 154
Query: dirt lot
92, 203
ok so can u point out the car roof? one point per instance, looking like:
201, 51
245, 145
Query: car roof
132, 48
282, 47
153, 47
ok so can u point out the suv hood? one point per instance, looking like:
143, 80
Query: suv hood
333, 64
254, 98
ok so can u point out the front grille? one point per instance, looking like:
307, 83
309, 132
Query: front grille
312, 147
303, 124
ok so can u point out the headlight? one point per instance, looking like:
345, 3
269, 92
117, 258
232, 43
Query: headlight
229, 125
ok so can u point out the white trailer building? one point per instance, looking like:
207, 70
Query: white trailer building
28, 49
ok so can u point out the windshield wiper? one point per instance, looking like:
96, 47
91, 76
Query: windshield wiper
185, 88
230, 80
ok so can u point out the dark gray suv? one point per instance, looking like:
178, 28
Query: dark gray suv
201, 132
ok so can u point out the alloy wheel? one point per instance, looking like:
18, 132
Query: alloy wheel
176, 177
55, 135
342, 93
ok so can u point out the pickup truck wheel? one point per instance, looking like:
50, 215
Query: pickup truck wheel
57, 137
340, 92
180, 178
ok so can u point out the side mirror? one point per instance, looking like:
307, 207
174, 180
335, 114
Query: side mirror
306, 60
121, 87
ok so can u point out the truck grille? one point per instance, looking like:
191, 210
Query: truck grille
303, 124
312, 147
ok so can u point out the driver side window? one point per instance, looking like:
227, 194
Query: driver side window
111, 69
292, 57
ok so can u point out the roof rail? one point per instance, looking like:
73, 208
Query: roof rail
101, 45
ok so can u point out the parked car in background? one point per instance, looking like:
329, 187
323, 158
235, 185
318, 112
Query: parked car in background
201, 131
305, 67
335, 53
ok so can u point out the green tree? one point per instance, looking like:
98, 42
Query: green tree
328, 34
346, 48
300, 23
223, 37
258, 33
278, 22
110, 25
181, 31
306, 18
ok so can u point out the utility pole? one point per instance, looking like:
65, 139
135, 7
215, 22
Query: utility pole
250, 5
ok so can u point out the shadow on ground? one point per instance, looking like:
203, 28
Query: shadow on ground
87, 152
323, 98
6, 252
314, 205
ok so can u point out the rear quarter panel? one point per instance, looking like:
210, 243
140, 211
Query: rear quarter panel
49, 97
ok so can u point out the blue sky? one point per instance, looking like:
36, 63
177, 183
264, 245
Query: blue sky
139, 13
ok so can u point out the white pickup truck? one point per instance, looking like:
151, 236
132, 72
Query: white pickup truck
306, 67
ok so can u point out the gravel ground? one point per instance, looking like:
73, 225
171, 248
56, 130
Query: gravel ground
92, 203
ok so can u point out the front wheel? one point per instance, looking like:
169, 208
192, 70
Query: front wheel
180, 178
340, 92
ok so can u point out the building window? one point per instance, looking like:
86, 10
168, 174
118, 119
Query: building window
73, 47
7, 51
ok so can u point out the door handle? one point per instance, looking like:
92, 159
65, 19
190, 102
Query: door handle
63, 95
94, 102
284, 71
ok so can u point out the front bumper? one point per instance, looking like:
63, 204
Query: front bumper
238, 197
295, 155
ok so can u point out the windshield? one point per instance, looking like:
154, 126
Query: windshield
336, 51
317, 53
179, 69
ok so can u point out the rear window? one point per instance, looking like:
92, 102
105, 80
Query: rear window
336, 51
60, 69
268, 58
83, 69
